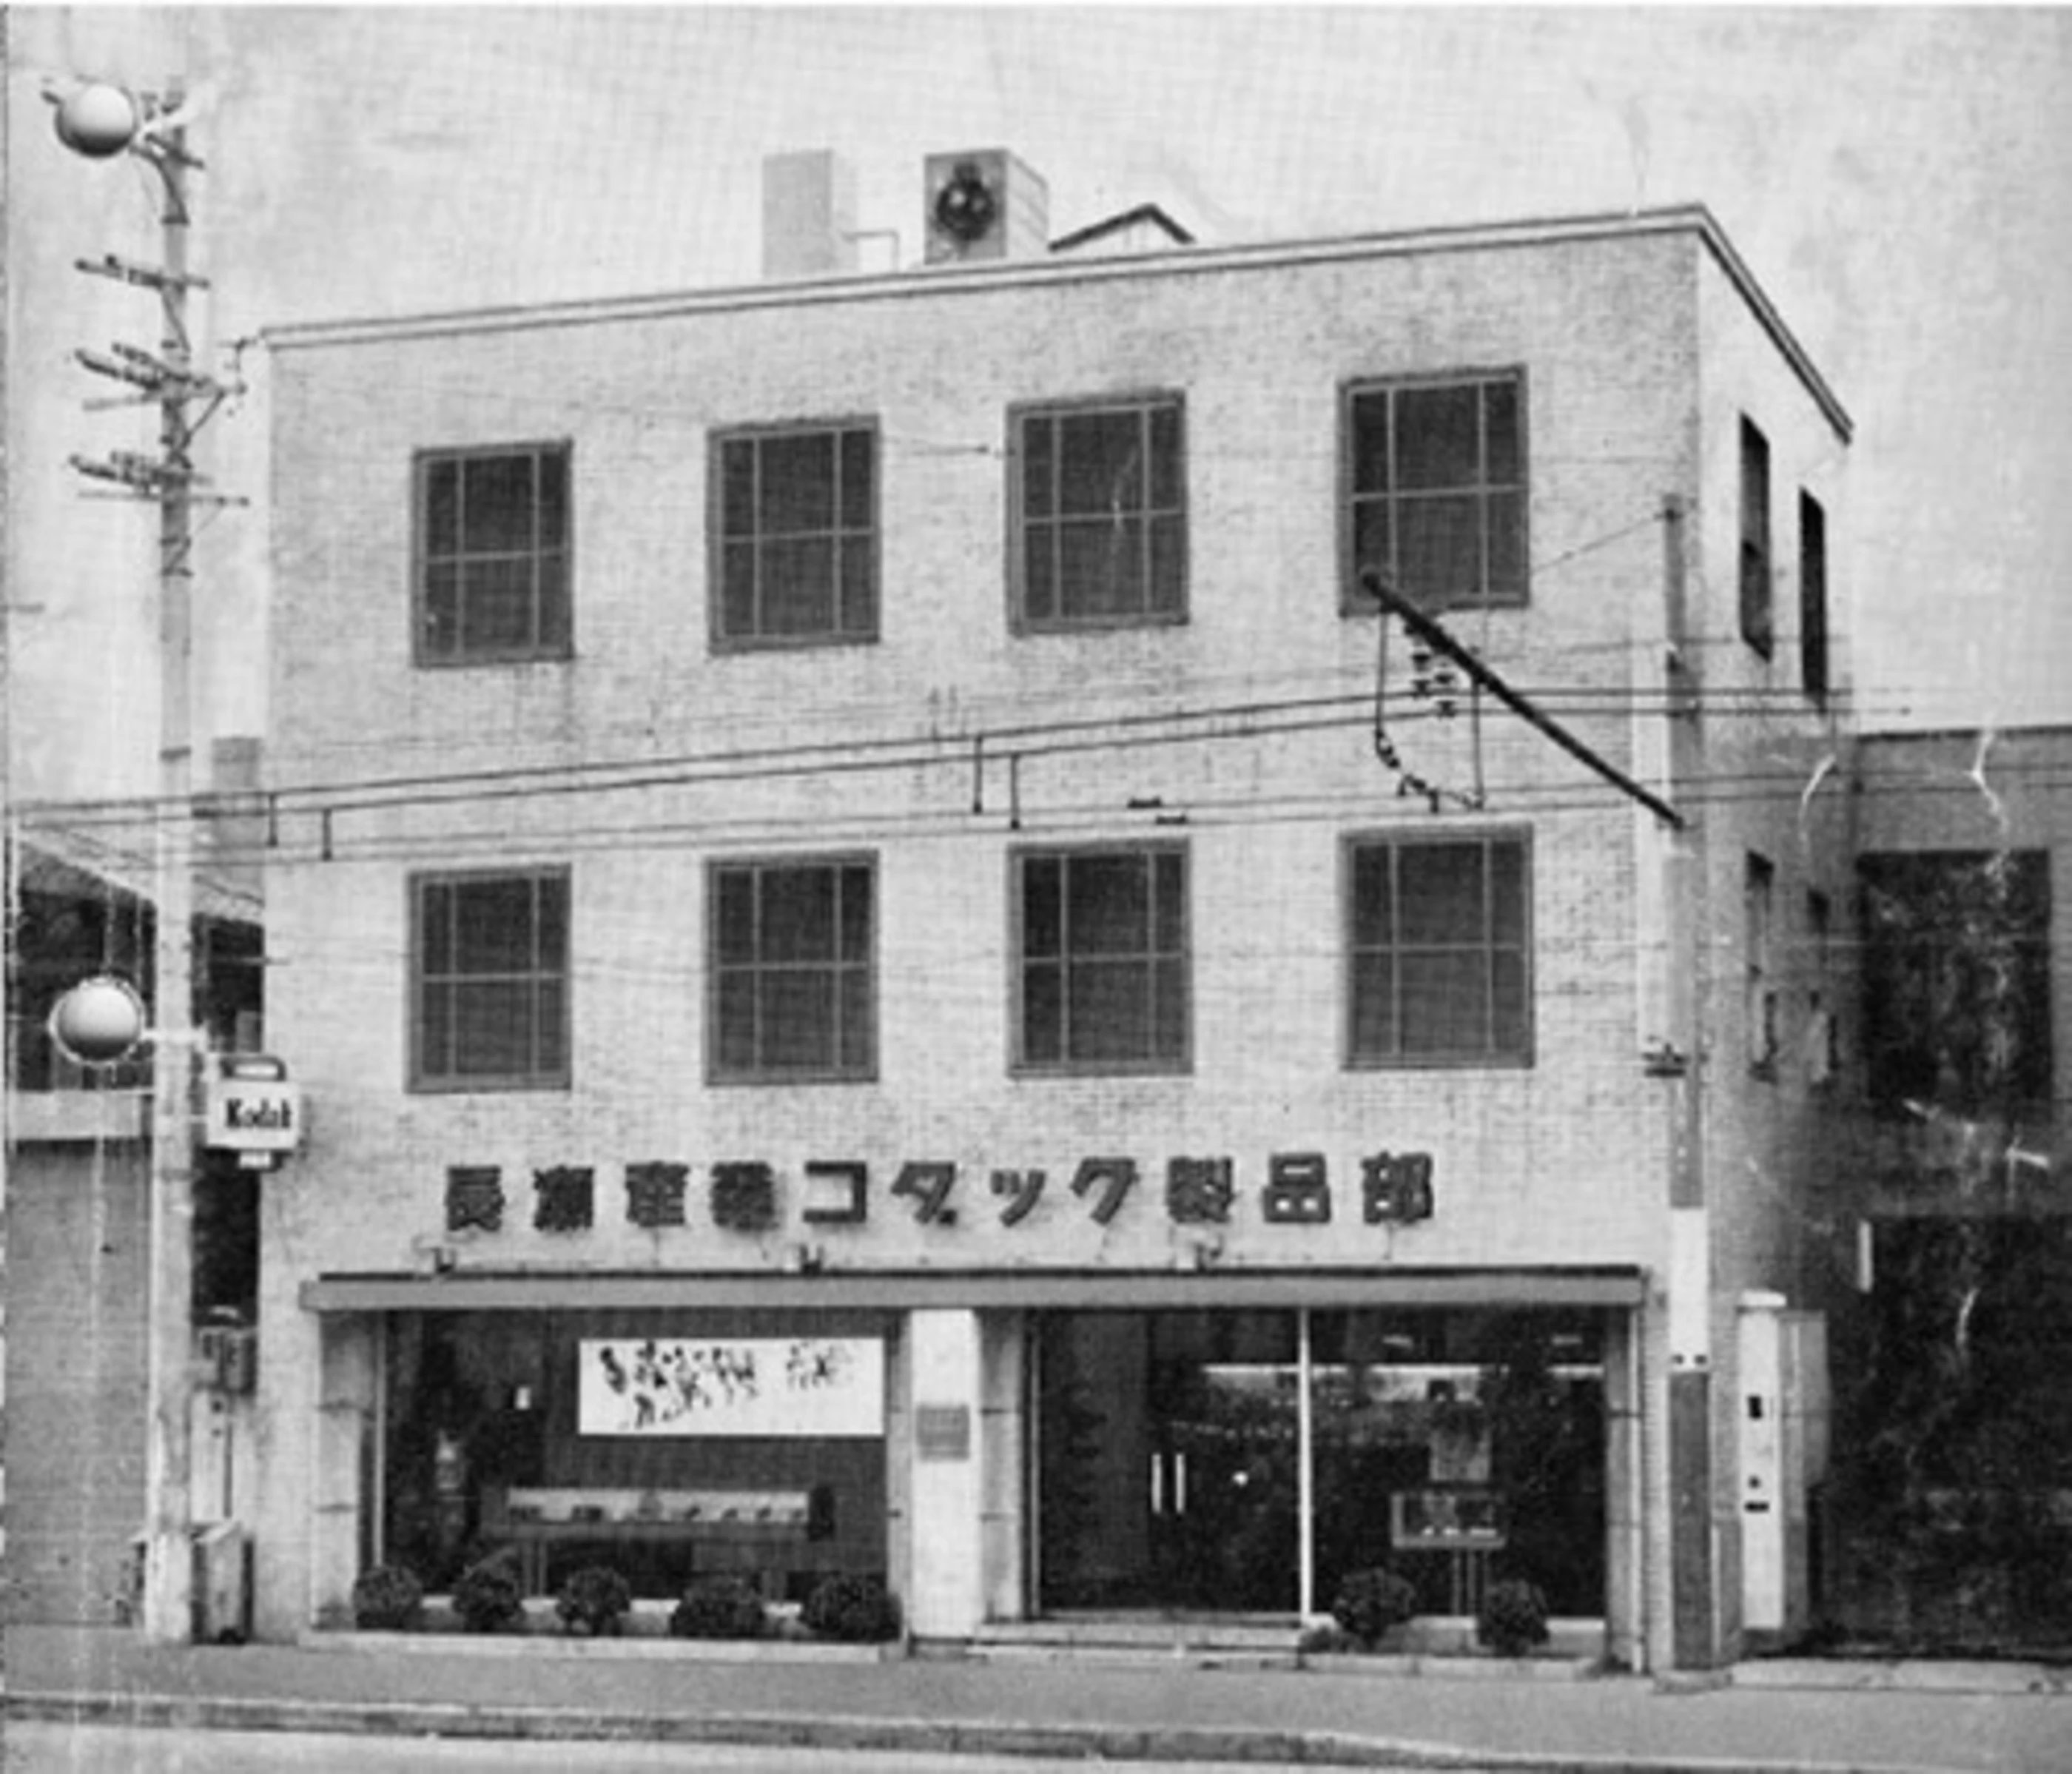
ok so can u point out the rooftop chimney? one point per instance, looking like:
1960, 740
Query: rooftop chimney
984, 203
808, 214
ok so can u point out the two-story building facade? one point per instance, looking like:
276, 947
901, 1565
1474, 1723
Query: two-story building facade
872, 922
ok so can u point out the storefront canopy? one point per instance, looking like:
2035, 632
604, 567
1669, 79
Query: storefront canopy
1079, 1289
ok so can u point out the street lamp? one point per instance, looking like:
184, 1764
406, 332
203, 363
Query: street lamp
100, 122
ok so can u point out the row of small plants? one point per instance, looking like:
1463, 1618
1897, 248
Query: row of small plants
1369, 1604
594, 1600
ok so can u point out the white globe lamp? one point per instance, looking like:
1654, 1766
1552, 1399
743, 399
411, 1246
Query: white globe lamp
99, 1022
97, 120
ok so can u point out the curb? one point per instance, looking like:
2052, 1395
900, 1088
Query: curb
1115, 1743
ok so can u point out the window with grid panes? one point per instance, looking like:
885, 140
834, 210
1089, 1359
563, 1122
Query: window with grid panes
490, 956
795, 536
793, 972
1439, 953
1101, 515
1434, 476
1103, 969
493, 554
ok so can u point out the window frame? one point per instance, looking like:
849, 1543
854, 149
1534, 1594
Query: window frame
718, 539
1757, 588
1813, 661
1143, 403
423, 461
420, 1080
761, 1074
1487, 839
1067, 1065
1354, 601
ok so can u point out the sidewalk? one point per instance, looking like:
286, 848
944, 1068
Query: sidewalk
1772, 1716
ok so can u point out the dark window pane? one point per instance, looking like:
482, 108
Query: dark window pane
859, 586
1111, 1010
1042, 906
1507, 864
734, 924
1441, 888
552, 937
442, 507
798, 483
1369, 422
554, 500
1169, 566
435, 927
798, 586
497, 505
1166, 469
1507, 1031
1038, 465
798, 914
1042, 1014
736, 1022
1371, 545
1169, 903
550, 1054
857, 484
1374, 1007
1505, 520
1111, 908
1102, 565
859, 1020
493, 1028
1438, 437
1445, 999
737, 487
494, 932
498, 613
435, 1058
737, 568
553, 603
1169, 1034
442, 609
797, 1020
855, 944
1103, 455
1506, 464
1039, 573
1373, 921
1439, 555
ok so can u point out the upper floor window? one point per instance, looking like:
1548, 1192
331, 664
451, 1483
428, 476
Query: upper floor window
1434, 489
795, 536
1100, 515
1438, 951
1957, 987
1102, 973
490, 958
1759, 908
793, 989
1813, 598
493, 551
1758, 620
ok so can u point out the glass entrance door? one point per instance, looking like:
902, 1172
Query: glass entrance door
1167, 1472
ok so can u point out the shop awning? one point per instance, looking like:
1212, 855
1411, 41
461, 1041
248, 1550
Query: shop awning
908, 1289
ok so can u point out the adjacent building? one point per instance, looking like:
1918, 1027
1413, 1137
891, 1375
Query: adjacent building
895, 970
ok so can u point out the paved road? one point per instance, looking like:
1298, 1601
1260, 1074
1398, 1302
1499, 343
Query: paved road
34, 1748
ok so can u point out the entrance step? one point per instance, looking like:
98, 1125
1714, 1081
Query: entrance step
1202, 1643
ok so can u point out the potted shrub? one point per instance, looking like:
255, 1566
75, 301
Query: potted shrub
387, 1599
853, 1610
487, 1595
594, 1600
719, 1608
1513, 1617
1372, 1603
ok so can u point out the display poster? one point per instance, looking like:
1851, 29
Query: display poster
803, 1386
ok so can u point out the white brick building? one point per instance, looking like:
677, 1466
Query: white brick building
842, 820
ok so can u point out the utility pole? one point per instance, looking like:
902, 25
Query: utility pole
99, 121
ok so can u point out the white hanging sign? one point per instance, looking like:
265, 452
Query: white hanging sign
801, 1386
